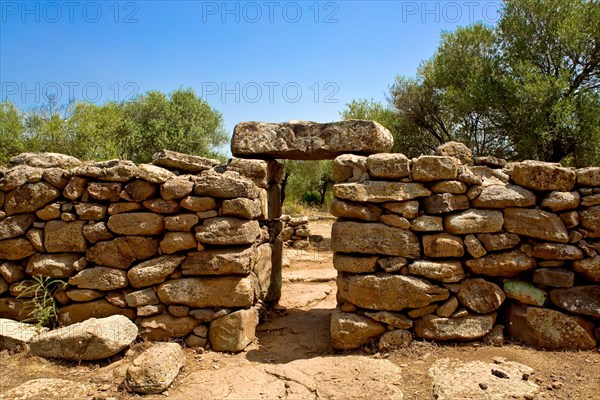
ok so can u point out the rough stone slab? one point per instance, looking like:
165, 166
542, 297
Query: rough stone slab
122, 252
408, 209
234, 331
388, 166
444, 271
452, 187
182, 162
174, 242
64, 237
467, 328
474, 246
502, 196
549, 329
427, 223
165, 326
44, 160
11, 227
480, 295
303, 140
138, 191
349, 168
435, 168
79, 312
228, 185
389, 292
590, 219
20, 175
52, 265
141, 223
536, 224
153, 271
506, 265
588, 268
363, 212
15, 249
581, 300
373, 238
498, 241
380, 191
16, 335
350, 331
554, 277
561, 201
17, 309
443, 245
538, 175
228, 231
354, 264
396, 320
525, 292
228, 291
94, 339
155, 369
445, 202
153, 174
100, 278
457, 150
260, 172
556, 251
474, 221
396, 339
588, 176
455, 379
105, 191
230, 261
29, 198
241, 208
12, 272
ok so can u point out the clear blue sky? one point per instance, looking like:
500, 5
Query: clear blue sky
263, 60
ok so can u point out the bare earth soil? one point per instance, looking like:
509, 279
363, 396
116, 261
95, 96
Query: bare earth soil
292, 358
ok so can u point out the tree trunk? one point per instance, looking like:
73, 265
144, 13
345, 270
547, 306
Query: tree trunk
283, 184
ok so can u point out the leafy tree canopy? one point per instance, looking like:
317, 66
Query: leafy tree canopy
526, 88
133, 130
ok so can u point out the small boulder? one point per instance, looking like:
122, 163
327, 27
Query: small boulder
538, 175
234, 331
16, 335
154, 370
350, 331
94, 339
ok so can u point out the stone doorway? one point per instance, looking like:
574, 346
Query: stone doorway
298, 326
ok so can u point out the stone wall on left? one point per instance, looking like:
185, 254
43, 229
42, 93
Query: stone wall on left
184, 246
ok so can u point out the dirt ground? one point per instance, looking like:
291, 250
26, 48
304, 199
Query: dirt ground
293, 351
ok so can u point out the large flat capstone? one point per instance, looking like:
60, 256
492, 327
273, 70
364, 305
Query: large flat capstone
304, 140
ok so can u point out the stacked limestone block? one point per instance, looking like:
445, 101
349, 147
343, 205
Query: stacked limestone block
439, 250
181, 246
295, 232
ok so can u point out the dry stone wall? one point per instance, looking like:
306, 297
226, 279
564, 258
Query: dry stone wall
440, 250
183, 246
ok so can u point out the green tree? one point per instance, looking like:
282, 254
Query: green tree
307, 182
12, 130
180, 121
134, 130
551, 50
528, 88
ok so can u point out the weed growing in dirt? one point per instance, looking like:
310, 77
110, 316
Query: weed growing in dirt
40, 290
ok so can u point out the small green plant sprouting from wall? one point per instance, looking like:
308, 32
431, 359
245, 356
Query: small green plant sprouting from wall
40, 290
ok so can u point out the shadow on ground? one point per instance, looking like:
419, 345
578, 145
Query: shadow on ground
297, 334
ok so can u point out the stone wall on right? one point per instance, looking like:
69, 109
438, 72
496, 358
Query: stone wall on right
437, 249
